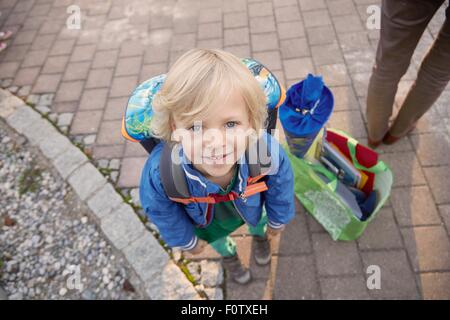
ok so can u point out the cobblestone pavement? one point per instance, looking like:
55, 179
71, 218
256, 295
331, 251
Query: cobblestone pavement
89, 73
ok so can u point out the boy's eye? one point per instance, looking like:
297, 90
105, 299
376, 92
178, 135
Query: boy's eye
231, 124
195, 128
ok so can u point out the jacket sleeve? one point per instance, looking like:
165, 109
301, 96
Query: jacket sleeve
279, 198
174, 225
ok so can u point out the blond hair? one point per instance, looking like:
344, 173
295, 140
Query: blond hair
197, 80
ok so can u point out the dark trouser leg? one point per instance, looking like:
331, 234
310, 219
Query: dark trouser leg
432, 78
402, 24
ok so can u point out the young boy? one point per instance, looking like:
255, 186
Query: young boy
211, 105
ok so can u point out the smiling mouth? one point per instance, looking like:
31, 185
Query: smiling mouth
219, 157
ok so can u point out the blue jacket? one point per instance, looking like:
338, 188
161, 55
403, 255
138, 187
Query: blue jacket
176, 221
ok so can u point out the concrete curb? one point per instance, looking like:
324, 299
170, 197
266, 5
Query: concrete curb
119, 223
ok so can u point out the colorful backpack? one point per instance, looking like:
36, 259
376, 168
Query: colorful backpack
136, 124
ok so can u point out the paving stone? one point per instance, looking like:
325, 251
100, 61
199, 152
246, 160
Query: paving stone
294, 240
316, 18
433, 149
428, 248
261, 9
298, 68
235, 20
130, 172
414, 206
47, 83
150, 70
210, 43
128, 66
133, 149
334, 74
349, 121
347, 23
122, 226
83, 53
43, 42
105, 59
439, 181
239, 51
296, 279
65, 119
69, 160
146, 257
93, 99
252, 291
321, 35
69, 91
270, 59
210, 15
341, 7
86, 122
287, 14
123, 86
24, 37
8, 69
99, 78
308, 5
326, 54
396, 278
294, 48
359, 61
291, 29
156, 54
26, 76
183, 42
344, 98
262, 24
76, 71
214, 293
236, 36
115, 108
435, 286
381, 233
62, 47
104, 201
445, 214
344, 288
109, 133
361, 83
86, 180
89, 139
405, 168
335, 258
210, 30
353, 41
108, 152
66, 106
211, 273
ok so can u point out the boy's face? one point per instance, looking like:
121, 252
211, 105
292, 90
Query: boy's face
214, 144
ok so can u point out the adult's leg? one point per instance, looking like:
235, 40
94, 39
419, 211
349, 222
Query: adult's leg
402, 24
432, 78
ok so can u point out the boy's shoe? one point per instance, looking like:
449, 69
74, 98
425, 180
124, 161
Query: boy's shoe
262, 250
236, 270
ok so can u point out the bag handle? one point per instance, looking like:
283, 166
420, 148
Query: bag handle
379, 167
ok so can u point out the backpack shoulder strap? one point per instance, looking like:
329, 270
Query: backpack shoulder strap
258, 158
172, 174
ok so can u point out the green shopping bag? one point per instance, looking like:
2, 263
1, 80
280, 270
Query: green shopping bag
325, 205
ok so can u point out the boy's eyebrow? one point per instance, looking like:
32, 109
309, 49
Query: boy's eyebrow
234, 117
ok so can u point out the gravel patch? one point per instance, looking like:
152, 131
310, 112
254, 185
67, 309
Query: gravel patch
50, 248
